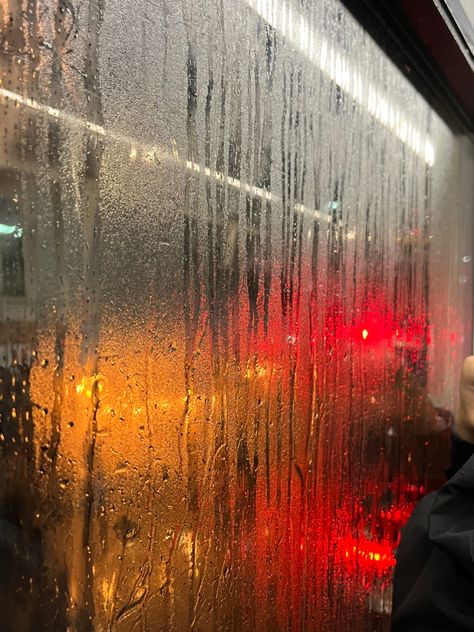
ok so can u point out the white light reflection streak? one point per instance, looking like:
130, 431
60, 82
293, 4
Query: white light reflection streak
150, 153
294, 27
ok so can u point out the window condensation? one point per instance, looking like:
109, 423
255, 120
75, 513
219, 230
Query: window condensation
235, 293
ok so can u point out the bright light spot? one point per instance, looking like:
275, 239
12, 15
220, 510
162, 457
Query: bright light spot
87, 385
365, 334
260, 371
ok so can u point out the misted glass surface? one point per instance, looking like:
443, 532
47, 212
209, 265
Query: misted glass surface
235, 290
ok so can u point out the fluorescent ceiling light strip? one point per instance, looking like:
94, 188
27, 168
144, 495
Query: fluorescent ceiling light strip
294, 27
150, 153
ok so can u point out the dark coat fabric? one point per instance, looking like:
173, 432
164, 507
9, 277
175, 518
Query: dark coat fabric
434, 576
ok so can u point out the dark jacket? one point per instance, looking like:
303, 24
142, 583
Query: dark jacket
434, 575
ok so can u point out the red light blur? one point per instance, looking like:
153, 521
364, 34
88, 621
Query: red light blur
366, 554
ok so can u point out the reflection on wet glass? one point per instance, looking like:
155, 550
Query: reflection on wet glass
231, 243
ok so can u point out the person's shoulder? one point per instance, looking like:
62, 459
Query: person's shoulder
423, 508
425, 504
415, 533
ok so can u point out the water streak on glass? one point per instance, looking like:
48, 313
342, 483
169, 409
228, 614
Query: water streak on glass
235, 291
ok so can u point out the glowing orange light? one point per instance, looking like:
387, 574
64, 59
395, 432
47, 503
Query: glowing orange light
87, 384
365, 334
258, 371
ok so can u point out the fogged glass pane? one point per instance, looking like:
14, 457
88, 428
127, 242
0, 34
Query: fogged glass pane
235, 290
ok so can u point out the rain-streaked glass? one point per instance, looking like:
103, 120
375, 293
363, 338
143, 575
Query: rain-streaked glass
235, 290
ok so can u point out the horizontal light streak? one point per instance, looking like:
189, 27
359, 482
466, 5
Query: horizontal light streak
152, 153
